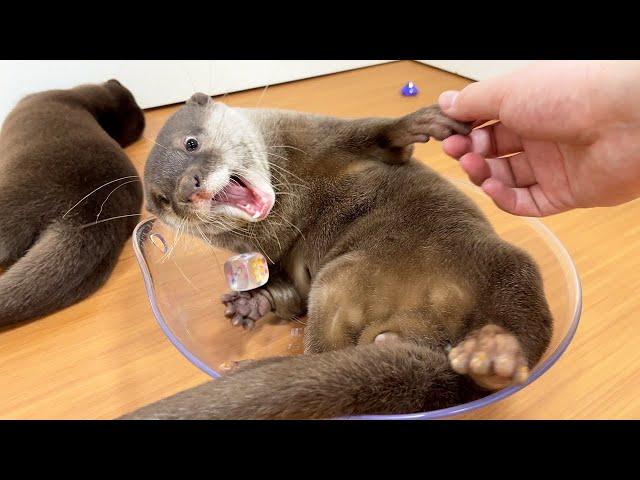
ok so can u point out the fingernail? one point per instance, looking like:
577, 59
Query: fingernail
490, 185
447, 99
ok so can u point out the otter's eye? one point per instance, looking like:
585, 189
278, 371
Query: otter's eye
191, 144
162, 200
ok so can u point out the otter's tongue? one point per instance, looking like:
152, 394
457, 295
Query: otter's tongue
239, 194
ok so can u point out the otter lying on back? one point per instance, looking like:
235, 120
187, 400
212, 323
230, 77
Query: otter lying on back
392, 264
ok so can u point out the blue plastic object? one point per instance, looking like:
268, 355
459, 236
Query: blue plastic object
410, 90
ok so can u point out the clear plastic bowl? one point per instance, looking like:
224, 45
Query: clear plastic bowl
184, 284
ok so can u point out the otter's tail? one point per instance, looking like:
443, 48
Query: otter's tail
367, 379
65, 265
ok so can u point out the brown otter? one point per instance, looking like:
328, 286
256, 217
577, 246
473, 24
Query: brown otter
392, 264
56, 147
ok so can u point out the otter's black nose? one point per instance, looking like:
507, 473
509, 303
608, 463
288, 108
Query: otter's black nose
190, 186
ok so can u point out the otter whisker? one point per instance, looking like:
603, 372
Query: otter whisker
99, 188
294, 226
297, 319
109, 219
288, 193
208, 242
273, 233
218, 222
282, 169
111, 193
153, 141
289, 184
176, 239
263, 250
184, 276
288, 146
264, 91
179, 236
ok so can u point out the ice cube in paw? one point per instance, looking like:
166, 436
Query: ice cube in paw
246, 271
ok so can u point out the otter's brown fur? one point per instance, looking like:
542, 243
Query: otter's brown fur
55, 148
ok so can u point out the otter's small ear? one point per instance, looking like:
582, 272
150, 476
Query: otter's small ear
114, 82
199, 99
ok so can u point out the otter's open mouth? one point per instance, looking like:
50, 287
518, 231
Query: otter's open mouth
241, 194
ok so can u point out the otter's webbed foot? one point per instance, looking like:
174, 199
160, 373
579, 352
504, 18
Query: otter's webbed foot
492, 357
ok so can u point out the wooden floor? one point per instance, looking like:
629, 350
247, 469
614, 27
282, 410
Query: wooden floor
106, 356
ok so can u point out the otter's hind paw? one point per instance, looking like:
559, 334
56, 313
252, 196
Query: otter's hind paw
492, 357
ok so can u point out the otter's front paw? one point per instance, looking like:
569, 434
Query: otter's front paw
492, 357
427, 122
244, 308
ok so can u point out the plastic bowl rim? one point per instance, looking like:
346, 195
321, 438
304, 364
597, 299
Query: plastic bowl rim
432, 414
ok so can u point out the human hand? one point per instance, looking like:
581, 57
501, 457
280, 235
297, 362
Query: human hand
574, 128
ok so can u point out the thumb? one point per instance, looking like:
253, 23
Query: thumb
478, 101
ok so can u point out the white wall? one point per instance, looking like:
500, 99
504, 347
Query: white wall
159, 82
477, 69
162, 82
